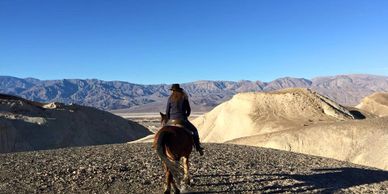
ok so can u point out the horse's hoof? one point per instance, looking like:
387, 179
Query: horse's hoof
177, 191
183, 187
167, 192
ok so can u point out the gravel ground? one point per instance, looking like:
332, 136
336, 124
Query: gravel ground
225, 168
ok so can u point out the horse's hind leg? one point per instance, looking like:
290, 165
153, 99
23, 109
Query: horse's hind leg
186, 176
176, 189
168, 180
171, 182
186, 179
174, 185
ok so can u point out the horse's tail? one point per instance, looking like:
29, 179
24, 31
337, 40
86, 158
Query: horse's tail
174, 167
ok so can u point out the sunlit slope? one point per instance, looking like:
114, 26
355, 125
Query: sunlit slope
248, 114
359, 141
376, 103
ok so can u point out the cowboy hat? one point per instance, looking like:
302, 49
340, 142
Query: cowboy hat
176, 87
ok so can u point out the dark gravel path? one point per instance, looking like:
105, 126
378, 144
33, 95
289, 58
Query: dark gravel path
135, 168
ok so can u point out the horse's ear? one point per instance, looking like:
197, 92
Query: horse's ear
161, 114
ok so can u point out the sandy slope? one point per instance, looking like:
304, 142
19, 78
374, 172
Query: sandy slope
361, 142
135, 168
248, 114
27, 125
298, 120
376, 103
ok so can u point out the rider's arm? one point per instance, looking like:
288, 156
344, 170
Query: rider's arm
186, 106
168, 109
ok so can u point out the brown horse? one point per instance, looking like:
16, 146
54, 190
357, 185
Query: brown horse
173, 144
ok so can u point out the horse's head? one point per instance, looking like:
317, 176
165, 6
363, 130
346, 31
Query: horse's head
163, 119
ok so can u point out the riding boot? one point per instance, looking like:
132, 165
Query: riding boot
197, 144
194, 130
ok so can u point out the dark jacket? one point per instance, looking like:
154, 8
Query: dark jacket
178, 110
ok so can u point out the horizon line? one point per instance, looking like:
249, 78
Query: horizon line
200, 80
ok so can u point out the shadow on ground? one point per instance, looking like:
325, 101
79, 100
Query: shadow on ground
357, 114
321, 180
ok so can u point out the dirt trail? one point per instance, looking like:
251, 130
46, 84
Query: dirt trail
226, 168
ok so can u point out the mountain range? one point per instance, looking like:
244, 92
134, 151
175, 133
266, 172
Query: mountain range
205, 95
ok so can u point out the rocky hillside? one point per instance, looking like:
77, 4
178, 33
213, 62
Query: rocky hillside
135, 168
112, 95
28, 125
376, 103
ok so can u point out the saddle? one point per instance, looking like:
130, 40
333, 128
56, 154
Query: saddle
178, 123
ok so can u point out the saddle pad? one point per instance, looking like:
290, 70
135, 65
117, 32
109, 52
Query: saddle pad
175, 125
180, 126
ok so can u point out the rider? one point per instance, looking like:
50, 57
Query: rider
178, 110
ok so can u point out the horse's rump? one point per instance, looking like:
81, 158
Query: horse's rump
174, 137
166, 143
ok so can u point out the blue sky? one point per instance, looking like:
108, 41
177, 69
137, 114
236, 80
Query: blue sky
151, 42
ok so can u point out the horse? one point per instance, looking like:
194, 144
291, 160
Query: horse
172, 144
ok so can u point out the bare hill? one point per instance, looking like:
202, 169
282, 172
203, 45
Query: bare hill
298, 120
248, 114
358, 141
27, 125
376, 103
135, 168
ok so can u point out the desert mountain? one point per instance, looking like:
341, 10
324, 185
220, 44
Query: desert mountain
113, 95
28, 125
298, 120
248, 114
349, 89
376, 103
